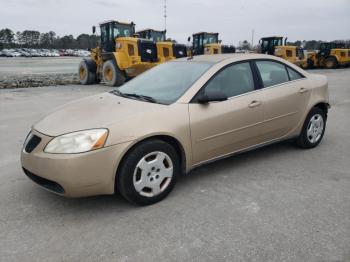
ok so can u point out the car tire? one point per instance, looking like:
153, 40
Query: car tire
148, 172
112, 75
313, 129
87, 72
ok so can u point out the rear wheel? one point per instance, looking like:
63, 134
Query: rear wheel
112, 75
148, 173
87, 72
331, 62
313, 129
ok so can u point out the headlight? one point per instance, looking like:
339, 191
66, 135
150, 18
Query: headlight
77, 142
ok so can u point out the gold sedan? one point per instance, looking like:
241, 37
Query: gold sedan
139, 138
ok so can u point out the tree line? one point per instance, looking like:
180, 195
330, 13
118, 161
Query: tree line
36, 39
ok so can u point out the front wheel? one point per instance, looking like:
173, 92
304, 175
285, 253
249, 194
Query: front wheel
148, 173
112, 76
313, 129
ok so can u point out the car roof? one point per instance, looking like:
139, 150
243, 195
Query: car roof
221, 57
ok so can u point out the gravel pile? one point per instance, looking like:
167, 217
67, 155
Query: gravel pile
17, 81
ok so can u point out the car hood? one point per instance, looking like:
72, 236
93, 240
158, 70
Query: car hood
98, 111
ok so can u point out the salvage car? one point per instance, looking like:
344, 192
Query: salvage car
138, 139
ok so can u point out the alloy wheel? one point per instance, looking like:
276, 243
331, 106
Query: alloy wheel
153, 174
315, 128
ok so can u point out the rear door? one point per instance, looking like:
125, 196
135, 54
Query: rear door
285, 97
219, 128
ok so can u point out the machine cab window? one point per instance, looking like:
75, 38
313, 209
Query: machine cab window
268, 44
113, 29
202, 39
153, 35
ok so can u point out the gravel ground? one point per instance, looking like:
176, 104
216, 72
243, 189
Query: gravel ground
38, 65
278, 203
38, 71
24, 81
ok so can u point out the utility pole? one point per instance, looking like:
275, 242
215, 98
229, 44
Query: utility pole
252, 38
165, 15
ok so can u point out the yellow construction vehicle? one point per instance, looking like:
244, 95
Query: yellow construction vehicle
119, 56
274, 45
166, 49
205, 43
330, 55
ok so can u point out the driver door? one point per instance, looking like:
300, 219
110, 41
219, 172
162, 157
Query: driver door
220, 128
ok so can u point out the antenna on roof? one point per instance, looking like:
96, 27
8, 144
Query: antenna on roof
165, 15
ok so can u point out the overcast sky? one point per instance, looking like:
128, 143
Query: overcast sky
233, 19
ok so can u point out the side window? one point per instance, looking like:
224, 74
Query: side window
272, 73
293, 75
234, 80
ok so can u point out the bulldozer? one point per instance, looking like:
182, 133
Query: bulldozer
205, 43
166, 49
274, 45
330, 55
119, 56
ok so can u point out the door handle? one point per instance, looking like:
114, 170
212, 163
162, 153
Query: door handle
303, 90
254, 103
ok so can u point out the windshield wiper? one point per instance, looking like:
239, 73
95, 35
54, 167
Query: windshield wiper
141, 97
117, 92
135, 96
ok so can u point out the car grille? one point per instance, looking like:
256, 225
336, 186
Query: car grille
48, 184
32, 143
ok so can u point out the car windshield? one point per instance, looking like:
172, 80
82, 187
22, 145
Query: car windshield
164, 83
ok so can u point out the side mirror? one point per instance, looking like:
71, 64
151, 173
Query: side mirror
189, 39
93, 29
211, 96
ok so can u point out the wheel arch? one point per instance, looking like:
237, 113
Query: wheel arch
324, 106
171, 140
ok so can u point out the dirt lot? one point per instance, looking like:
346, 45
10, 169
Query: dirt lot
277, 203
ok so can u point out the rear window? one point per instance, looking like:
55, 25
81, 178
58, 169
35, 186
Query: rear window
294, 75
272, 73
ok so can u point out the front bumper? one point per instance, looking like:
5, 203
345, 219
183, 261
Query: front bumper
73, 175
